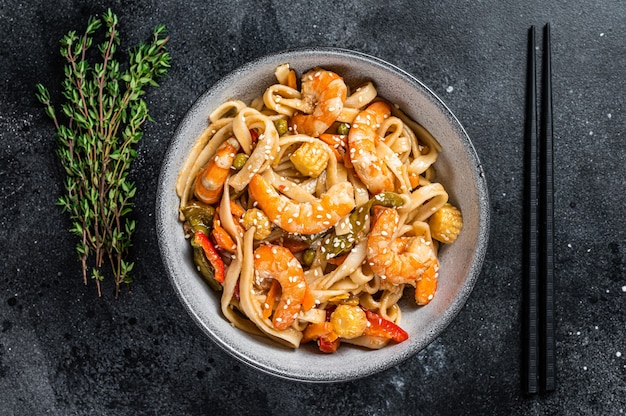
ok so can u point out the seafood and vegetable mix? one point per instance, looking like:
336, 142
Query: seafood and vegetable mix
312, 208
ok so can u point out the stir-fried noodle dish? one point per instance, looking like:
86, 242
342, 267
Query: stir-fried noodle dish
312, 208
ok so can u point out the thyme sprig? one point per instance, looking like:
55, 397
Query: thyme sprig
101, 123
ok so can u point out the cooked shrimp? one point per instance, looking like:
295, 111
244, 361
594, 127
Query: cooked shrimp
410, 260
362, 140
210, 180
276, 262
326, 93
303, 217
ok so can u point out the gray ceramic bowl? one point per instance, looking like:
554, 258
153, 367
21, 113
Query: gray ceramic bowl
458, 169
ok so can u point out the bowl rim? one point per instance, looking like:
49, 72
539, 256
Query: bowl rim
477, 258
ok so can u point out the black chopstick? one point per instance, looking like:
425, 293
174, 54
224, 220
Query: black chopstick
531, 330
546, 216
539, 359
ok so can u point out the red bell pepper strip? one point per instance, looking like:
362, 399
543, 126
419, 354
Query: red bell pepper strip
330, 342
381, 327
328, 346
212, 255
323, 333
254, 136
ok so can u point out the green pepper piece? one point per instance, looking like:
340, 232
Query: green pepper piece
385, 199
199, 216
334, 245
388, 199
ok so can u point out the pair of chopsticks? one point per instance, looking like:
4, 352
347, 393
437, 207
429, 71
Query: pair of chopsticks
539, 362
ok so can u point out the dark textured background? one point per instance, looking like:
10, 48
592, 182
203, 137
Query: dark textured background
64, 351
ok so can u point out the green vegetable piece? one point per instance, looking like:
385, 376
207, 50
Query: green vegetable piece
281, 126
199, 216
336, 245
387, 199
240, 161
343, 128
308, 257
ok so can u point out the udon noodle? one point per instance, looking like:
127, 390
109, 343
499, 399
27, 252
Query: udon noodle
311, 209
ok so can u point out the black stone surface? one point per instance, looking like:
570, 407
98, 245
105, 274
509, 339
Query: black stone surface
64, 351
